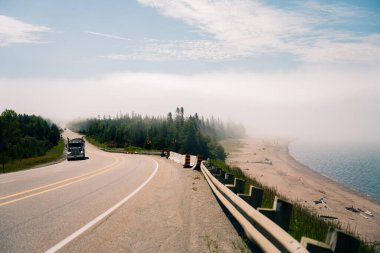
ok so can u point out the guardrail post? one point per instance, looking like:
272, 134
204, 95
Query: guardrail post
222, 176
314, 246
280, 213
341, 242
229, 179
268, 212
216, 172
254, 196
268, 236
237, 187
283, 213
336, 242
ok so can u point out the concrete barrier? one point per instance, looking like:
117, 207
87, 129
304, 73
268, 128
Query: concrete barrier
197, 165
186, 160
193, 160
175, 157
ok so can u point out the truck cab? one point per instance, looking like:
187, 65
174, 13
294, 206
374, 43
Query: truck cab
75, 149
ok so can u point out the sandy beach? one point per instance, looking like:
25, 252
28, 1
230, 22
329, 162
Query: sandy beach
269, 161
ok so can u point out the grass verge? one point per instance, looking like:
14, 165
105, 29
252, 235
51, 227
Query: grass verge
95, 142
304, 221
51, 155
130, 149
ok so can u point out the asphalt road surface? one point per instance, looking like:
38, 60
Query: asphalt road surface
112, 203
41, 207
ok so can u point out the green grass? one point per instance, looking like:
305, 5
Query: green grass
133, 149
304, 222
95, 142
51, 155
130, 149
212, 245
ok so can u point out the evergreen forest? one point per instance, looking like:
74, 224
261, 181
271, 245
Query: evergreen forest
24, 136
192, 134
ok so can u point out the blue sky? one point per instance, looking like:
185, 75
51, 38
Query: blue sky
77, 38
269, 57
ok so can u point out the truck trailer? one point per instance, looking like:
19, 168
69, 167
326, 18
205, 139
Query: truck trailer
75, 149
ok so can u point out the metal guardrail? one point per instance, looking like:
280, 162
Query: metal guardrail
258, 228
263, 226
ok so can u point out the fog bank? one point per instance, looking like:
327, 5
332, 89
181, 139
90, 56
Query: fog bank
316, 103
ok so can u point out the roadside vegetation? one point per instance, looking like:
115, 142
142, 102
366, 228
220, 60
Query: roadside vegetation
304, 221
50, 156
176, 132
27, 140
129, 149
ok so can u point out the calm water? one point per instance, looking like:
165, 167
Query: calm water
355, 166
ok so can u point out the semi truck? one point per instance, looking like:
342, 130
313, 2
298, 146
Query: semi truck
75, 149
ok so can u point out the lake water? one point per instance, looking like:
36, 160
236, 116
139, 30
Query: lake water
356, 166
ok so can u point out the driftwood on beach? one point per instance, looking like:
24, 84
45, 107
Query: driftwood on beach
266, 161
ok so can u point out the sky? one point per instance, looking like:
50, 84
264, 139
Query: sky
298, 69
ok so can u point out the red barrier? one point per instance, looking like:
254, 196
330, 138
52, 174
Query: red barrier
187, 161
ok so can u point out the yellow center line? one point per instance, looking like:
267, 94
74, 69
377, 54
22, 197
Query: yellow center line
55, 183
81, 178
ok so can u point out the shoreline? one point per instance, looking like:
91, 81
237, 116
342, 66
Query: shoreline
271, 163
338, 184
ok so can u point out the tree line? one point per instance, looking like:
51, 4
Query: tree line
24, 136
176, 132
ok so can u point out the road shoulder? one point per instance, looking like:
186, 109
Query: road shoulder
175, 212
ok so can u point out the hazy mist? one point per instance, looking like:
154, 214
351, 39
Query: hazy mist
312, 103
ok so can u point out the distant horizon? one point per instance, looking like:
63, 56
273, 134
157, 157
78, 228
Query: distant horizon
294, 69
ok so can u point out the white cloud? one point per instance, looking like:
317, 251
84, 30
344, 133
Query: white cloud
15, 31
242, 28
363, 50
110, 36
167, 50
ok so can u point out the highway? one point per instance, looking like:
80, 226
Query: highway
41, 207
112, 203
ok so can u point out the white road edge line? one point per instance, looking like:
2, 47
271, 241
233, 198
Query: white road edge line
77, 233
